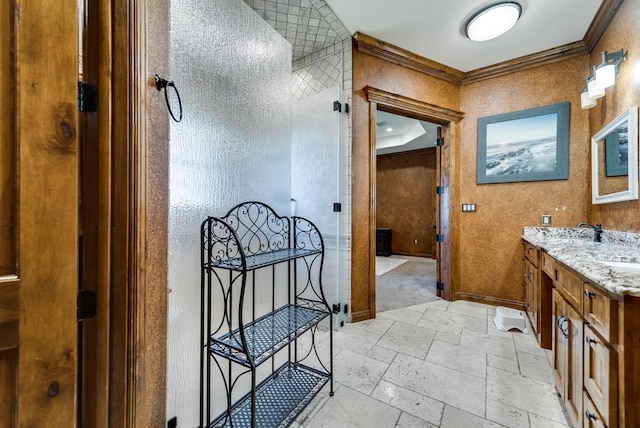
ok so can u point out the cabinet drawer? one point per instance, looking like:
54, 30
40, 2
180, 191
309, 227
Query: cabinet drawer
601, 312
600, 375
532, 253
592, 418
572, 286
548, 266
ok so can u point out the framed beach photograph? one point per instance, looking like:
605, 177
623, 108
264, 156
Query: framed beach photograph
525, 145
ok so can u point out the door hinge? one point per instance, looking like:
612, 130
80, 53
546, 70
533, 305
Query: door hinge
336, 308
337, 207
87, 97
337, 106
439, 238
86, 305
440, 142
439, 285
439, 190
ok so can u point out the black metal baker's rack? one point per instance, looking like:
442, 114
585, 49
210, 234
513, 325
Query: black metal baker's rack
238, 340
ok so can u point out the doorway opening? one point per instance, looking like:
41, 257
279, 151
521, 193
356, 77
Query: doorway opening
363, 294
406, 182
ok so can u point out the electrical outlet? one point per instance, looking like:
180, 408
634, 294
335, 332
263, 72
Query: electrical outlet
415, 241
546, 220
173, 422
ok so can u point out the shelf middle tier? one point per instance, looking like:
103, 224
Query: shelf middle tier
267, 335
259, 260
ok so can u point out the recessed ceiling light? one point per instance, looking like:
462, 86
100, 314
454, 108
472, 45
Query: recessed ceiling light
493, 21
389, 129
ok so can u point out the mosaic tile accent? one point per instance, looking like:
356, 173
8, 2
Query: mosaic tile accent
309, 25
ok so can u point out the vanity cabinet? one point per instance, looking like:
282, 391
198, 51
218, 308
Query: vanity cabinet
584, 333
537, 294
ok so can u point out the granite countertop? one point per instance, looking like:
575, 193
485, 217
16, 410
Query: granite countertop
575, 248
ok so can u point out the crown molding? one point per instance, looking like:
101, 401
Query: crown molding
396, 55
601, 21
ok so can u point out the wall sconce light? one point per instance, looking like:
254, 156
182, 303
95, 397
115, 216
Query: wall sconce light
602, 76
607, 71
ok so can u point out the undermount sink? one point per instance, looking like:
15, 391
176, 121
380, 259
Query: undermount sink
627, 266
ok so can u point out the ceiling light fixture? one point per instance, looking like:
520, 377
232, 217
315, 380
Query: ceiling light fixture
493, 21
389, 129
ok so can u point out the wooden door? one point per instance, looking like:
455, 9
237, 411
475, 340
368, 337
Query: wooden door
38, 213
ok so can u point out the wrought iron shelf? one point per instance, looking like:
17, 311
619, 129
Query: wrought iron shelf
267, 335
245, 331
260, 260
279, 399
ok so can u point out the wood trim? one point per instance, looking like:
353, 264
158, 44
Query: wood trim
495, 301
9, 338
373, 107
396, 55
398, 104
601, 21
361, 316
537, 59
405, 106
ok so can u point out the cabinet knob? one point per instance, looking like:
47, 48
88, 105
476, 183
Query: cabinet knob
590, 339
589, 294
590, 415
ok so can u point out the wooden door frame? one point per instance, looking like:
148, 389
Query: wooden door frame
133, 222
449, 120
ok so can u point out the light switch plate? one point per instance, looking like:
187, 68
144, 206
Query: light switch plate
546, 220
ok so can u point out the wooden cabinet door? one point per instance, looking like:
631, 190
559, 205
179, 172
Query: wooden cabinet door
574, 361
38, 213
600, 375
559, 341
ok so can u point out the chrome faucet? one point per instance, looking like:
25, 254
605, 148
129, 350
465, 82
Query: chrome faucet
597, 231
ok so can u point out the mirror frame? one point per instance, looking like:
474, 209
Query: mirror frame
630, 115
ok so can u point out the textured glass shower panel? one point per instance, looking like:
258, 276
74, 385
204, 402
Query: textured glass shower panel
315, 181
233, 72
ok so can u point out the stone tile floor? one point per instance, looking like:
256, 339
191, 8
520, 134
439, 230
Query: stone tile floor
437, 364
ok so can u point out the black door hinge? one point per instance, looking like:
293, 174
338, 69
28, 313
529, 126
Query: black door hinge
440, 142
337, 106
439, 190
86, 305
336, 308
87, 97
440, 285
337, 207
439, 238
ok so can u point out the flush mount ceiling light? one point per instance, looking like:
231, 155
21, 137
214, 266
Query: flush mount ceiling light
493, 21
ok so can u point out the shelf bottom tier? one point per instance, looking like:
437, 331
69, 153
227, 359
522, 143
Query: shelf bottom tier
279, 399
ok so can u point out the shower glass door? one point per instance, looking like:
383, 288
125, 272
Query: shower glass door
318, 159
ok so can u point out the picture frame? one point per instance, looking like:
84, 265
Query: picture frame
525, 145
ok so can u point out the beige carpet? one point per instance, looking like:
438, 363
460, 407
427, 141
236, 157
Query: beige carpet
411, 283
386, 264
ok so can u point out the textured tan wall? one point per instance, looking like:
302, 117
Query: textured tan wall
404, 200
370, 71
621, 34
490, 250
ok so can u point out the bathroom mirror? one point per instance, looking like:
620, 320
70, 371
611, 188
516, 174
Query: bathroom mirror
614, 160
